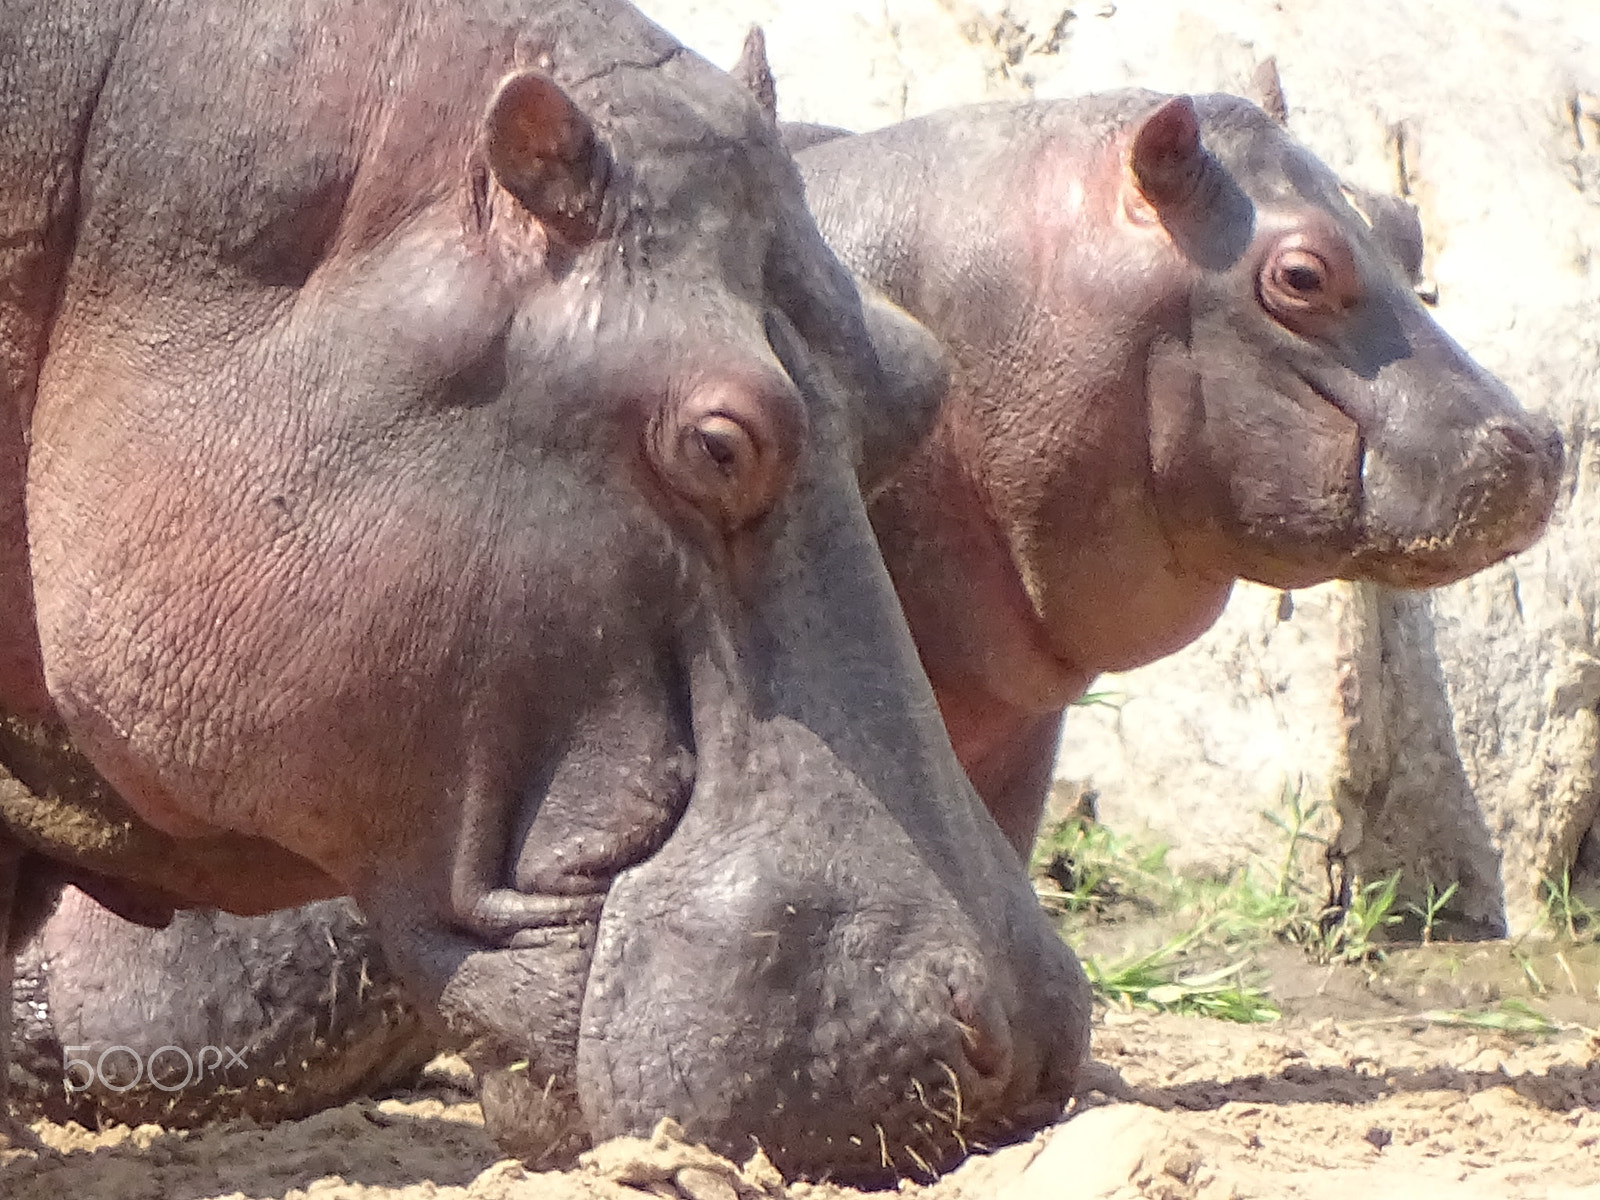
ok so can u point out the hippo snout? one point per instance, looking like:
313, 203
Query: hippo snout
856, 995
866, 1048
1514, 472
1457, 477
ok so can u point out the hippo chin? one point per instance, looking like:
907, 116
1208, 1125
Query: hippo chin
1180, 357
429, 462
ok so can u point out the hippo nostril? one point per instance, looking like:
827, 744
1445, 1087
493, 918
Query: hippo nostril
1555, 450
985, 1036
1533, 446
1519, 439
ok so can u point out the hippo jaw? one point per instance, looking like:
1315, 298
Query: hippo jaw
1412, 476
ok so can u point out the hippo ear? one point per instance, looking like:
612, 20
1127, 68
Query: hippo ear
1167, 158
1396, 227
1266, 90
755, 74
544, 151
914, 378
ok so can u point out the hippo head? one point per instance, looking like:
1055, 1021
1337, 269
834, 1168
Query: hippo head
469, 504
1309, 419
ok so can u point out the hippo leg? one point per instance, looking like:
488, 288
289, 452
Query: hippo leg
212, 1017
1014, 779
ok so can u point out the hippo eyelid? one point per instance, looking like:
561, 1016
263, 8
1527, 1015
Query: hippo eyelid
1304, 274
1306, 280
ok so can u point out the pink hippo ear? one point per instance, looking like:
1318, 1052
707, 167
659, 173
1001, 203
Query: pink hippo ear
1265, 91
1167, 158
544, 151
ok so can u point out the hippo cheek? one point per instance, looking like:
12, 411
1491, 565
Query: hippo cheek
1297, 513
515, 987
1257, 471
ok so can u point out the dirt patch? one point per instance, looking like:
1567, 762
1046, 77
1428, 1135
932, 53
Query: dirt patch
1174, 1107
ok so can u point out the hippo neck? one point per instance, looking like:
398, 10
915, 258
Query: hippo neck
55, 803
978, 635
1092, 571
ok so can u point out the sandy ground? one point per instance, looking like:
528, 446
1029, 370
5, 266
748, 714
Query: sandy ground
1174, 1107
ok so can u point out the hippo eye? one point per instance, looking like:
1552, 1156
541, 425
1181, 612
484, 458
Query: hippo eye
1301, 274
1304, 288
723, 445
728, 450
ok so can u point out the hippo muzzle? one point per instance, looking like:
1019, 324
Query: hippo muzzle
827, 993
1456, 475
814, 961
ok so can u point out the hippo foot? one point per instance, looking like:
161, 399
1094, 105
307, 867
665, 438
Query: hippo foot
213, 1017
16, 1137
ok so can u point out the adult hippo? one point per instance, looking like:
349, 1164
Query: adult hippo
1180, 358
429, 443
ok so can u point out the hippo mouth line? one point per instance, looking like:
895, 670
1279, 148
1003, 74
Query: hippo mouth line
1436, 560
557, 865
1330, 397
1358, 473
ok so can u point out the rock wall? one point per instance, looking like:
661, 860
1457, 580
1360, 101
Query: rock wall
1455, 733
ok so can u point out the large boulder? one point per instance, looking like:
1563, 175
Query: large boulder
1454, 733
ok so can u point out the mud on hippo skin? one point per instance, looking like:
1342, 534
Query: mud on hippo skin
1180, 357
446, 474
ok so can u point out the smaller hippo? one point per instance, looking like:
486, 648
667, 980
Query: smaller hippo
1181, 357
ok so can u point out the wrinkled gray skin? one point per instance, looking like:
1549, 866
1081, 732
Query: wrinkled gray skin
444, 491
